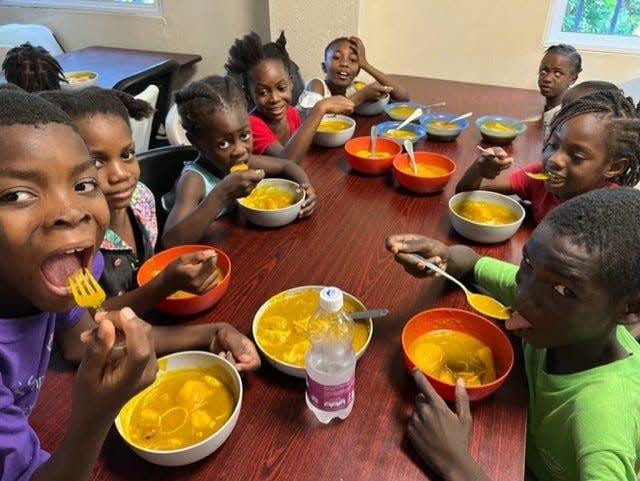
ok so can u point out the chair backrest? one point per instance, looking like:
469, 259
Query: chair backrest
160, 169
176, 135
141, 129
14, 34
631, 88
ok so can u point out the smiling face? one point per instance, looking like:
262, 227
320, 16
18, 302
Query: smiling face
559, 301
577, 159
111, 146
555, 75
340, 66
52, 215
270, 87
224, 138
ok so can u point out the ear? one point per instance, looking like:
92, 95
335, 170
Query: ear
631, 313
616, 167
573, 79
323, 66
192, 138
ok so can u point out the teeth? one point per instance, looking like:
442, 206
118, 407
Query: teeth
73, 251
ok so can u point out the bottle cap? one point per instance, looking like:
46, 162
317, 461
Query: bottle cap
331, 299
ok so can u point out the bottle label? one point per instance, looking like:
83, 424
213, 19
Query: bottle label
331, 398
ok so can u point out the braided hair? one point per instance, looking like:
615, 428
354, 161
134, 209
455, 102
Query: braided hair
568, 51
18, 107
621, 121
32, 68
201, 98
587, 87
96, 100
603, 222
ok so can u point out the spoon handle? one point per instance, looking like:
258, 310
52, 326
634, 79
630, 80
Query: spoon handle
435, 268
408, 146
374, 136
369, 313
414, 115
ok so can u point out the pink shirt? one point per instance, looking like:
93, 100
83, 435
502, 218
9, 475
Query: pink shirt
263, 136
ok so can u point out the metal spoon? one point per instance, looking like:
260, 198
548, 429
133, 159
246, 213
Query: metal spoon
369, 313
374, 136
460, 117
437, 104
414, 115
408, 146
533, 118
532, 175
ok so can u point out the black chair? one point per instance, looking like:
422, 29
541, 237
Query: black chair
160, 169
162, 75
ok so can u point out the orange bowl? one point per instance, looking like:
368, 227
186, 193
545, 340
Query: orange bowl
195, 303
468, 323
366, 165
421, 183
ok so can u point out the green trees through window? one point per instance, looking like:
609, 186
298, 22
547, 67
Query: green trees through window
603, 17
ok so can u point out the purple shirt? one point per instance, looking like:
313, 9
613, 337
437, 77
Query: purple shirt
25, 349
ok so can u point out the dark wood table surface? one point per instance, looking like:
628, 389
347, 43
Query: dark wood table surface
342, 244
115, 64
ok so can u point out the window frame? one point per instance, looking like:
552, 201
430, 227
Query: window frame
585, 41
98, 6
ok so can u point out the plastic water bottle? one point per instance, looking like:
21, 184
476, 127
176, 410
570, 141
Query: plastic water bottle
330, 363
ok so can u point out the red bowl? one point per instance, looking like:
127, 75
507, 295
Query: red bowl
469, 323
365, 164
193, 304
422, 184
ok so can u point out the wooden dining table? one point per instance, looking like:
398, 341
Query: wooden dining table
342, 244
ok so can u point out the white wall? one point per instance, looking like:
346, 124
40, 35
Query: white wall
498, 42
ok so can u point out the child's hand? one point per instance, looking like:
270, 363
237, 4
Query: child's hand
440, 436
490, 165
235, 347
103, 385
240, 183
309, 204
336, 104
373, 91
401, 245
358, 48
194, 272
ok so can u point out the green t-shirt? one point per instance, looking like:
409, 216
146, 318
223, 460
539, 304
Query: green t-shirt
582, 426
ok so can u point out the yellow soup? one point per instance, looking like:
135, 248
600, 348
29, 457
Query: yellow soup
425, 170
401, 134
184, 294
499, 126
448, 355
182, 407
281, 330
267, 197
402, 111
442, 124
367, 153
333, 125
485, 212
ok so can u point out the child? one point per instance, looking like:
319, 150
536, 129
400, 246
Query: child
32, 68
558, 70
594, 142
214, 115
276, 125
343, 59
53, 218
102, 119
588, 87
578, 284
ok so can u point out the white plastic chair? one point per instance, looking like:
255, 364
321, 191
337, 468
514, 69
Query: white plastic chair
176, 135
14, 34
141, 129
631, 88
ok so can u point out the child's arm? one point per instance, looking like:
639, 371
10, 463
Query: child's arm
484, 173
441, 436
398, 92
194, 272
298, 144
190, 217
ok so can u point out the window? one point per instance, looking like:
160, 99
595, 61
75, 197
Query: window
604, 25
140, 7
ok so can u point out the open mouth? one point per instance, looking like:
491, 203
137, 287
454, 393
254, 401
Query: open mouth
554, 178
59, 266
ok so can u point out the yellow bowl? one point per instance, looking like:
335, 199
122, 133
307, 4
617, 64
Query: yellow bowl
280, 326
79, 79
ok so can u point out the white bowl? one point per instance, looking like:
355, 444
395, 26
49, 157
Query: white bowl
195, 452
274, 217
294, 369
336, 138
79, 79
374, 107
485, 233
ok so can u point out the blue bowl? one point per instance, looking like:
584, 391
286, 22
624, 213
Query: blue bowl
487, 125
402, 110
442, 134
415, 129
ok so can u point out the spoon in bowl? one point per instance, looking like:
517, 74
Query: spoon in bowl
533, 118
408, 146
414, 115
532, 175
374, 136
437, 104
460, 117
482, 303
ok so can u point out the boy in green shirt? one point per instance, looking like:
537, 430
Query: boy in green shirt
577, 286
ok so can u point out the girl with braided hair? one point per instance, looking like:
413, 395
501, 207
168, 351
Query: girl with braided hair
32, 68
266, 77
594, 142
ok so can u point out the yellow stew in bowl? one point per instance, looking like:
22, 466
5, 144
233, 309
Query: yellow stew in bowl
485, 212
333, 125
